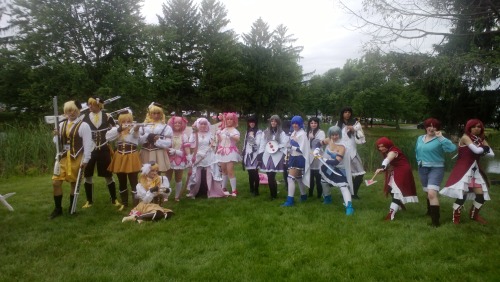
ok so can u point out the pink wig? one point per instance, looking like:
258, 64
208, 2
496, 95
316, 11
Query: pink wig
183, 121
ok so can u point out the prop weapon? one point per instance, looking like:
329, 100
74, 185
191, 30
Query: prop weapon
4, 202
51, 119
57, 165
77, 190
327, 166
371, 181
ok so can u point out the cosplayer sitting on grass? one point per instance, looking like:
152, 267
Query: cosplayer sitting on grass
151, 190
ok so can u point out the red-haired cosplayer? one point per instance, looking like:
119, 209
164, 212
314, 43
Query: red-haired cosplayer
467, 180
180, 152
227, 151
399, 180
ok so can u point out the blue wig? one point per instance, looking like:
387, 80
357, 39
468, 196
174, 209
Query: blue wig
298, 120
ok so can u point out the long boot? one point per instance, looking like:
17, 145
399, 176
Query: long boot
349, 210
88, 193
58, 207
457, 211
327, 200
356, 183
124, 197
474, 213
112, 194
435, 215
428, 208
289, 202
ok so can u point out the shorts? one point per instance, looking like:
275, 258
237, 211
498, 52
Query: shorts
431, 177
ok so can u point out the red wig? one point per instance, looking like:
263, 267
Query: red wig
384, 141
471, 123
434, 122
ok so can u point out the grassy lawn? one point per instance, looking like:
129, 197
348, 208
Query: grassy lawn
245, 238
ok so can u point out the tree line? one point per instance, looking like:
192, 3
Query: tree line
192, 61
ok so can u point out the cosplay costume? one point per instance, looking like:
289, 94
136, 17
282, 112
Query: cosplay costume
126, 162
300, 159
227, 151
467, 175
316, 164
399, 180
155, 150
272, 152
204, 163
151, 192
99, 124
251, 146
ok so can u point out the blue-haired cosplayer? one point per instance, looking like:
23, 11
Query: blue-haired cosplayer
334, 170
299, 162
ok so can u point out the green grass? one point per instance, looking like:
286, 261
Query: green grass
242, 239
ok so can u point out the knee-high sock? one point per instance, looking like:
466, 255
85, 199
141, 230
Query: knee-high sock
327, 190
232, 181
178, 188
302, 187
291, 186
346, 194
224, 181
394, 207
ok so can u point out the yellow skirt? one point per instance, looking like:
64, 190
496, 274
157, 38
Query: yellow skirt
144, 208
125, 163
69, 171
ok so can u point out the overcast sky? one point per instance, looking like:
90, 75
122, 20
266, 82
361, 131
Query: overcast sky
319, 25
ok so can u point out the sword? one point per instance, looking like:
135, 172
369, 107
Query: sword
77, 190
327, 166
4, 202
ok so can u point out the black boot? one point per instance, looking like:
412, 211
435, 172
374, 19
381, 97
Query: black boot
356, 183
435, 215
428, 208
112, 193
58, 208
251, 180
124, 197
88, 193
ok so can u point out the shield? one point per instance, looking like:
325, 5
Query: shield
272, 147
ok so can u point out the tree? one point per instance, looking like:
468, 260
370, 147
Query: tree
181, 26
221, 83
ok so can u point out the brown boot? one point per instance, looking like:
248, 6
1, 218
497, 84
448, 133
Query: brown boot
456, 214
474, 213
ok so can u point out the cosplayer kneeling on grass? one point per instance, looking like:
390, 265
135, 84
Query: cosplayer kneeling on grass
467, 180
430, 150
99, 123
299, 163
398, 176
179, 154
75, 138
126, 162
315, 136
227, 151
151, 191
334, 170
271, 157
251, 146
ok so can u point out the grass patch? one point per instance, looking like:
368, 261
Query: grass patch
242, 239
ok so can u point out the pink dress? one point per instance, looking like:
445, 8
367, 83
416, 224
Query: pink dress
227, 151
179, 142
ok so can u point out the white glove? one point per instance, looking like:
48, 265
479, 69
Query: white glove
173, 151
317, 153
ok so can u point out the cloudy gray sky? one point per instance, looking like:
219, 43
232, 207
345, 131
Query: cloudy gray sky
320, 26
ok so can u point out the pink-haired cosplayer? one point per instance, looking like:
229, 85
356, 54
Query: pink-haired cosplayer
180, 152
203, 145
227, 151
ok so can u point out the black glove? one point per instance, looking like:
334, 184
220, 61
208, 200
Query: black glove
167, 190
120, 129
154, 189
486, 149
151, 138
243, 165
383, 167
